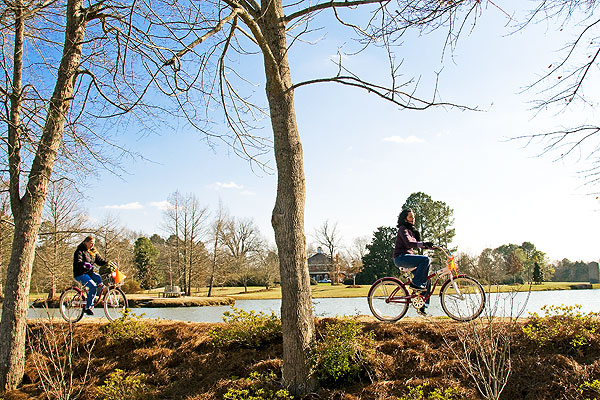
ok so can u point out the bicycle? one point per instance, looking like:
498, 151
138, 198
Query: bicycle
73, 299
461, 296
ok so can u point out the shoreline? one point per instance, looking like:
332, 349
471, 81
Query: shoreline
151, 299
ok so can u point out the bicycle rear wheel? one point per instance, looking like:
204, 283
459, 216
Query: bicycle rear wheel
71, 305
388, 300
462, 298
115, 304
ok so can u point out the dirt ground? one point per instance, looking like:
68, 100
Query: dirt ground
180, 362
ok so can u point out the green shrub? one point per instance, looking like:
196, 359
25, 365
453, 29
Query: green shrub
131, 286
246, 329
119, 386
342, 353
562, 324
130, 327
419, 393
261, 387
591, 387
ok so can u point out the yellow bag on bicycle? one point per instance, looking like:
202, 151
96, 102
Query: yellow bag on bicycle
118, 276
452, 264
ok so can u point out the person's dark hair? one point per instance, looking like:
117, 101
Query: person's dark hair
88, 239
402, 216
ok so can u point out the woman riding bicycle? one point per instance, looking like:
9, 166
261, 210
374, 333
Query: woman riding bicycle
83, 270
407, 239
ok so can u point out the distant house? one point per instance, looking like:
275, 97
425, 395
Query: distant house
319, 266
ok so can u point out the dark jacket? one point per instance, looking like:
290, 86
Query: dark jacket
405, 242
81, 257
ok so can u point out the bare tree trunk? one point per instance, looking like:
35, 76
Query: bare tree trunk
27, 211
288, 214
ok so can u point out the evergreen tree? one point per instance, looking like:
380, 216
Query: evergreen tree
434, 220
378, 261
538, 276
145, 255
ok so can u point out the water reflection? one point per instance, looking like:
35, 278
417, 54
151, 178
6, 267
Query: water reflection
502, 304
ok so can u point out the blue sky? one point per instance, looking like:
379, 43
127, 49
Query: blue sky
364, 157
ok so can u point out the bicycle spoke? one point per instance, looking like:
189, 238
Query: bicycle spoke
462, 298
387, 300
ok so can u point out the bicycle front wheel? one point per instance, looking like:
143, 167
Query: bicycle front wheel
388, 300
71, 305
115, 304
462, 298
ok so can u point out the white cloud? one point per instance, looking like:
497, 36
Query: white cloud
230, 185
404, 140
129, 206
161, 205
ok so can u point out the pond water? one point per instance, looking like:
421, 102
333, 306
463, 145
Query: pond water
501, 304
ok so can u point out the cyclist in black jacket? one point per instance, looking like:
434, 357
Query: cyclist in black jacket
83, 270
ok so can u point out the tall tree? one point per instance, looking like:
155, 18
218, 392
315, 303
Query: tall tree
243, 28
434, 220
356, 252
145, 255
378, 260
63, 223
216, 232
184, 220
27, 205
531, 257
243, 242
327, 236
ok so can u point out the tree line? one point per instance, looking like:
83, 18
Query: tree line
195, 249
506, 264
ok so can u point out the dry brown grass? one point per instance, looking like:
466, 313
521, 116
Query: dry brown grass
181, 363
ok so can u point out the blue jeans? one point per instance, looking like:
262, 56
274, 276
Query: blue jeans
414, 260
420, 273
91, 280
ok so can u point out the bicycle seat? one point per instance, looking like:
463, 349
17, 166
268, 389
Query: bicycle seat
406, 269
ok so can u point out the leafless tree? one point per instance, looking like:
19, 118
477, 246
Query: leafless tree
242, 241
62, 225
234, 29
216, 232
328, 236
268, 266
184, 221
356, 253
115, 242
67, 65
565, 81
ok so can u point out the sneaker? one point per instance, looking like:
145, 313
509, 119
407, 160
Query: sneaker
421, 312
419, 288
89, 311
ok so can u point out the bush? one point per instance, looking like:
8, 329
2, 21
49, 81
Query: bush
246, 329
419, 393
131, 286
593, 388
118, 386
262, 387
130, 327
342, 353
562, 324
